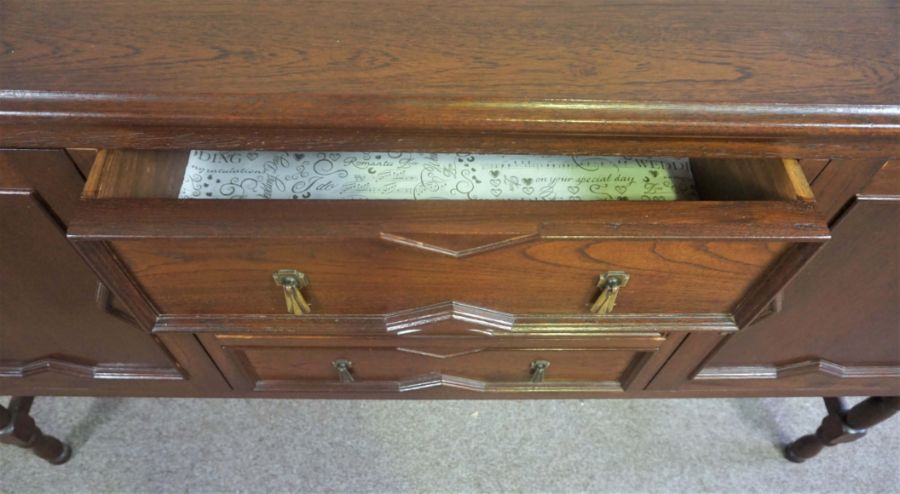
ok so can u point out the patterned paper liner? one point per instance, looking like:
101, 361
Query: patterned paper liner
433, 176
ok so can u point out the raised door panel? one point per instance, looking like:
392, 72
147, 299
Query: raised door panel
838, 324
59, 329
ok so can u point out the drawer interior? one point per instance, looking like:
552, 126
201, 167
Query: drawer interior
161, 174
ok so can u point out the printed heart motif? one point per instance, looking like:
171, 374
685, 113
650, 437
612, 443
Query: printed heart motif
527, 181
495, 173
252, 156
306, 195
334, 156
496, 192
621, 189
573, 189
299, 156
655, 173
528, 190
495, 182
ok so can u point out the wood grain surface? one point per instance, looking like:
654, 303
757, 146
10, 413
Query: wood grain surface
382, 257
369, 276
744, 78
802, 75
53, 332
302, 363
821, 318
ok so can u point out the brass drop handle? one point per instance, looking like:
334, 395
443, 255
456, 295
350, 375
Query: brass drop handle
292, 281
538, 367
610, 284
343, 366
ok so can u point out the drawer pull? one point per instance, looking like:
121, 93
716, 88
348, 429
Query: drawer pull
292, 281
537, 370
609, 284
343, 367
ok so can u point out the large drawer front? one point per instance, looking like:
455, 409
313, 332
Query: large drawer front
395, 365
370, 276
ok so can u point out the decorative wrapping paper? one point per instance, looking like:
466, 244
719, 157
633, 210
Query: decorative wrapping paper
442, 176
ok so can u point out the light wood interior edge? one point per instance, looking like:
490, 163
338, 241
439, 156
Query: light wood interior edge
797, 179
95, 179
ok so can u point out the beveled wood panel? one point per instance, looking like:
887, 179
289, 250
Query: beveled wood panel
827, 335
821, 318
285, 363
47, 301
840, 181
56, 337
749, 70
48, 175
370, 276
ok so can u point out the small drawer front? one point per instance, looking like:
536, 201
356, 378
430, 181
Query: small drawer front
279, 363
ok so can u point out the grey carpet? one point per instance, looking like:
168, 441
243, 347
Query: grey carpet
175, 445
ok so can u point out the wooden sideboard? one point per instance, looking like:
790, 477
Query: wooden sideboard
781, 281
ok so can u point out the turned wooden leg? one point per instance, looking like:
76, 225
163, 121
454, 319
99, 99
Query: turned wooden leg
842, 425
17, 427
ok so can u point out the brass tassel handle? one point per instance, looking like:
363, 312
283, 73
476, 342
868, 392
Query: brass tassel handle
610, 284
292, 281
343, 366
538, 367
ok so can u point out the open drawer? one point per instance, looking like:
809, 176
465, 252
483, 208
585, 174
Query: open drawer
405, 265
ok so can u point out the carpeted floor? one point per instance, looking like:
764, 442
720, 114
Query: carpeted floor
172, 445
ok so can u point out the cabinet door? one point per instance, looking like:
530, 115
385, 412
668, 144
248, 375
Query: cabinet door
836, 329
60, 331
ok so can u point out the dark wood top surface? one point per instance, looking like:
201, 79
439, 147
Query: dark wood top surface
690, 68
